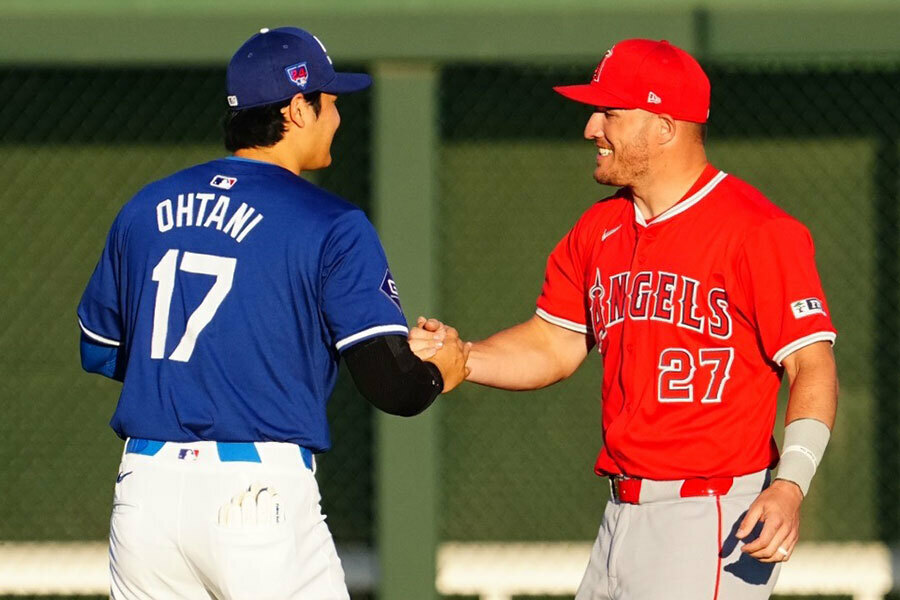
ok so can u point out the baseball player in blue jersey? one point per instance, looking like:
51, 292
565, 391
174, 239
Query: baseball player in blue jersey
224, 298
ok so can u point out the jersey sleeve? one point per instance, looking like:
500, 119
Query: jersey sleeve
359, 296
562, 299
99, 314
777, 272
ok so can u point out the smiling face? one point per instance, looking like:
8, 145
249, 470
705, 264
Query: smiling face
310, 131
623, 144
322, 128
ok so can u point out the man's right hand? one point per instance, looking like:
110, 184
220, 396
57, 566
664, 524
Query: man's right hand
427, 337
437, 343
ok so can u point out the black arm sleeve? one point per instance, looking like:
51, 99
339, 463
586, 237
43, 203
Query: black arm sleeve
391, 377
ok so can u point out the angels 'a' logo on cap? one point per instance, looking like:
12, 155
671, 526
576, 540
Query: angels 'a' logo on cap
298, 74
599, 69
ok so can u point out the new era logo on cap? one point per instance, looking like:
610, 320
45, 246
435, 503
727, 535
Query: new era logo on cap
653, 98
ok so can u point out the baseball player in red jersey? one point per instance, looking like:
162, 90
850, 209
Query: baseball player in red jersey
700, 294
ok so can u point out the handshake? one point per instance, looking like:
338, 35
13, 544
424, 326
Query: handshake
434, 342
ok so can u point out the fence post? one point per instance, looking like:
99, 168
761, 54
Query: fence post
404, 160
886, 338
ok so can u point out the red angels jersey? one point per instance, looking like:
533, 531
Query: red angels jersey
693, 313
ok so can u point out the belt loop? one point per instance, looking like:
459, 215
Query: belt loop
625, 489
237, 452
307, 456
713, 486
142, 446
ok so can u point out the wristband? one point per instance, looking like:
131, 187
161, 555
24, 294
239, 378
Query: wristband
804, 445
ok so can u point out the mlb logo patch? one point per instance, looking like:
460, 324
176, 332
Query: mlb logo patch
188, 454
298, 74
807, 307
223, 182
389, 289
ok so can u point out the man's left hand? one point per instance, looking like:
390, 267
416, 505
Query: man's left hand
778, 509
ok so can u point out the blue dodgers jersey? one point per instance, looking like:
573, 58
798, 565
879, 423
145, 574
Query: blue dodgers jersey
231, 288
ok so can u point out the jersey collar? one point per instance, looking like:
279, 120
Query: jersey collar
708, 180
259, 163
249, 160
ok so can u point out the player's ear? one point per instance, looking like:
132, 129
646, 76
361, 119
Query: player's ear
295, 110
666, 128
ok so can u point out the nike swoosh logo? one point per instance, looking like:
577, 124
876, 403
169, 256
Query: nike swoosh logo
609, 232
122, 476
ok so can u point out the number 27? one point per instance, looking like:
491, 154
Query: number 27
677, 370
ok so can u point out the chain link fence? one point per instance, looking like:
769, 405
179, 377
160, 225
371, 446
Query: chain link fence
515, 173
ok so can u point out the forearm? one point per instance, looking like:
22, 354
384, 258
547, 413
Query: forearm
814, 392
810, 414
501, 362
528, 356
389, 376
101, 359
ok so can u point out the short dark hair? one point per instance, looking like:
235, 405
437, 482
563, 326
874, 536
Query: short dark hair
260, 126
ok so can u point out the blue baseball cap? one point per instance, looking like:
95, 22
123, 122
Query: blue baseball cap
276, 64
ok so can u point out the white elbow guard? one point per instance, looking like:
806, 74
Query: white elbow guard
804, 445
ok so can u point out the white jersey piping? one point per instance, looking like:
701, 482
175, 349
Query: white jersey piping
371, 332
685, 204
821, 336
96, 336
564, 323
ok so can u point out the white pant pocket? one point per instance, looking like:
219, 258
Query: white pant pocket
255, 563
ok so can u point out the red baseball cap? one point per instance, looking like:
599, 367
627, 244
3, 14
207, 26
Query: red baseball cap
655, 76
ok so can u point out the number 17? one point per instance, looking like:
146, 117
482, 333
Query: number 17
221, 267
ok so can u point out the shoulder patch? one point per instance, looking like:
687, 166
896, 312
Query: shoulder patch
389, 289
807, 308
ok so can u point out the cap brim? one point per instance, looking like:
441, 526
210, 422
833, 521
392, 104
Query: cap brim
346, 83
592, 94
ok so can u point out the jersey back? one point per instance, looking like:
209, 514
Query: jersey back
230, 288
